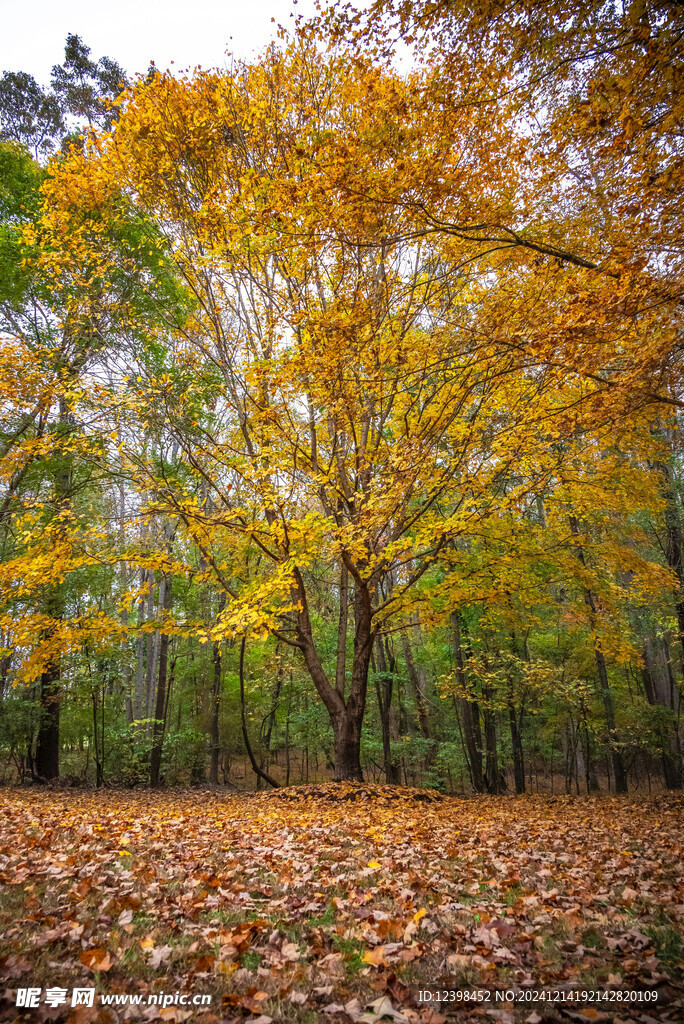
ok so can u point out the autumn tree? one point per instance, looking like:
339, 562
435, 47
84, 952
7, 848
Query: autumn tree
370, 363
365, 392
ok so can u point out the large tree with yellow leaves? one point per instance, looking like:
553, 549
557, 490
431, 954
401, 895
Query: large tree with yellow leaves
398, 321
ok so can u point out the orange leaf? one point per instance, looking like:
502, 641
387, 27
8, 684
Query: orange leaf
375, 957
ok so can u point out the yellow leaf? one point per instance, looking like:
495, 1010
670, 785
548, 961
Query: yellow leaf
376, 956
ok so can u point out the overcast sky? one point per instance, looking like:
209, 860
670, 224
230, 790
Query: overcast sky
136, 32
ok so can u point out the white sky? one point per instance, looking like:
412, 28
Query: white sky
136, 32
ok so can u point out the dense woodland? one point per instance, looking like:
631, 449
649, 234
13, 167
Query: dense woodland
341, 407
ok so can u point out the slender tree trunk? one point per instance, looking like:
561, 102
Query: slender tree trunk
248, 746
384, 684
160, 707
127, 677
580, 769
659, 686
126, 668
470, 710
156, 651
674, 548
214, 737
139, 692
516, 745
47, 749
419, 684
493, 778
47, 746
150, 666
515, 715
591, 778
287, 735
96, 746
269, 721
619, 772
5, 663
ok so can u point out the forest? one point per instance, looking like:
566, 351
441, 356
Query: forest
342, 525
341, 408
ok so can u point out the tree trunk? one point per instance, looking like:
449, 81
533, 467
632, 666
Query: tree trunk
606, 695
260, 774
347, 746
156, 651
418, 682
160, 708
99, 773
47, 750
591, 777
287, 734
615, 756
341, 662
516, 745
384, 684
126, 668
139, 692
346, 717
674, 547
659, 688
470, 711
269, 721
5, 663
214, 738
47, 746
493, 779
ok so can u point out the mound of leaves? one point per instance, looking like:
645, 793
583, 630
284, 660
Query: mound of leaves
343, 792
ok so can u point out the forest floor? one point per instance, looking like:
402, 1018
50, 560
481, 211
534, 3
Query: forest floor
340, 904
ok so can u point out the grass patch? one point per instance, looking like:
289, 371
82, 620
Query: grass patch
591, 938
143, 921
512, 894
668, 942
12, 899
224, 917
251, 960
352, 950
323, 920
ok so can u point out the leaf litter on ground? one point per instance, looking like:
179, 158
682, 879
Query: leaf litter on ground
341, 903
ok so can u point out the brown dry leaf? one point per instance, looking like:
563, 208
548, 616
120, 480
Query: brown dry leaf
96, 959
383, 1008
175, 1013
431, 1016
159, 955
